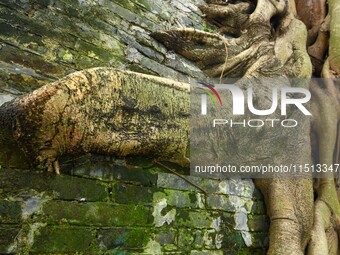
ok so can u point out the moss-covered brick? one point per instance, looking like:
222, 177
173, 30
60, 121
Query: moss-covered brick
170, 181
207, 252
220, 202
177, 198
250, 252
194, 219
243, 251
62, 187
227, 219
64, 239
185, 239
28, 59
258, 207
229, 203
97, 214
166, 236
7, 236
233, 238
258, 223
121, 251
74, 188
96, 52
167, 239
131, 194
10, 211
123, 237
259, 240
108, 170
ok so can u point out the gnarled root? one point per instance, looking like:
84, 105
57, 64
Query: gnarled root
319, 243
325, 107
266, 40
267, 32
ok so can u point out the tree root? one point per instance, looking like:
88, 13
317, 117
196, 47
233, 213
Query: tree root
271, 41
324, 237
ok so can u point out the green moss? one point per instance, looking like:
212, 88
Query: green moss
10, 211
63, 239
207, 28
194, 219
234, 238
251, 252
7, 236
132, 194
123, 238
97, 214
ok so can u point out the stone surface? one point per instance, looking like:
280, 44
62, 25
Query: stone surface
45, 40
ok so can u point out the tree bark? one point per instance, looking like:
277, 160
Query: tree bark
100, 110
266, 40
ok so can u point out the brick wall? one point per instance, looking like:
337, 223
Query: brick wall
43, 40
101, 205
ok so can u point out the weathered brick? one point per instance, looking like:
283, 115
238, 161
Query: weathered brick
232, 237
63, 239
220, 202
194, 219
186, 239
260, 240
62, 187
107, 169
138, 175
258, 207
229, 203
7, 236
172, 181
207, 252
167, 236
123, 238
10, 211
238, 187
258, 223
97, 214
74, 188
131, 194
177, 198
249, 251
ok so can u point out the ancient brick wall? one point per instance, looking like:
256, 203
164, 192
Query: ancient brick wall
100, 205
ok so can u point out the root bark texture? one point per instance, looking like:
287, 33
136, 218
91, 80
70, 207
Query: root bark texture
271, 38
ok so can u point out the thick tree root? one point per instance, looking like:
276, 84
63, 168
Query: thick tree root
324, 238
271, 42
100, 110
